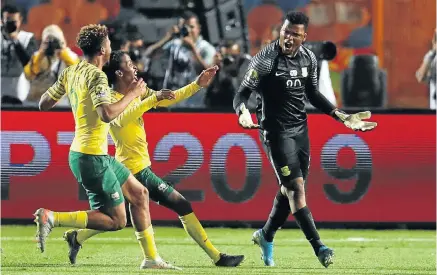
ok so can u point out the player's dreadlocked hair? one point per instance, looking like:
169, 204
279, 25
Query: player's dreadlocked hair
297, 18
113, 65
90, 38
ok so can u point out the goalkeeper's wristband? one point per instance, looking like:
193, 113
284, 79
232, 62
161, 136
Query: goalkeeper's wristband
334, 115
240, 109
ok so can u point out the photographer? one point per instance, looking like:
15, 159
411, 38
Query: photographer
427, 71
188, 54
17, 47
233, 65
47, 63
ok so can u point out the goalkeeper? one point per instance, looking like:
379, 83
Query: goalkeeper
129, 136
284, 74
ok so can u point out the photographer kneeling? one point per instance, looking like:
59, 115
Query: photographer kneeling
47, 63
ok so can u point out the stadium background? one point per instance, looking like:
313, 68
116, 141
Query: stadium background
356, 180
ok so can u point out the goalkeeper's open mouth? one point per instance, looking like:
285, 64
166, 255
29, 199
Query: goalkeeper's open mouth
135, 74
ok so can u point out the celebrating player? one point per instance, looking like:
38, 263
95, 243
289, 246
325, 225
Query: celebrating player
283, 74
129, 136
104, 179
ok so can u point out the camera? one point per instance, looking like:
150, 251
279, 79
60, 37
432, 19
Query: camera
135, 54
10, 26
183, 32
53, 44
324, 50
228, 60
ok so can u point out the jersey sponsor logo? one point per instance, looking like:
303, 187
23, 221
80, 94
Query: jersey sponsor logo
304, 71
293, 83
285, 171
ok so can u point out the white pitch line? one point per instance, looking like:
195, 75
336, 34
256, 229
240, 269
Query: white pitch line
352, 239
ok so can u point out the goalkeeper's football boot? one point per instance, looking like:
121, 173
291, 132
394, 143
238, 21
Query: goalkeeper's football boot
266, 247
326, 256
229, 260
44, 223
157, 264
74, 246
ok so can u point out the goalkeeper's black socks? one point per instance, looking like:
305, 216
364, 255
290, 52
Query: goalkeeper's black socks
306, 223
278, 216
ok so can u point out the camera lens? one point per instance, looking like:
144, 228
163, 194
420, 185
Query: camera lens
11, 26
53, 44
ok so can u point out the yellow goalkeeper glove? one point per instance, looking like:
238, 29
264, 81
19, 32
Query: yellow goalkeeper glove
355, 121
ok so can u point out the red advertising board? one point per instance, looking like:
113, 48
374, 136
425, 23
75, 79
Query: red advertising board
381, 176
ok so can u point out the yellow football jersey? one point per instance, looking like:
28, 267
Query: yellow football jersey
86, 87
127, 130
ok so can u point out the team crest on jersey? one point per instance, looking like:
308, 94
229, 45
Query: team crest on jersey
100, 94
252, 76
304, 71
285, 171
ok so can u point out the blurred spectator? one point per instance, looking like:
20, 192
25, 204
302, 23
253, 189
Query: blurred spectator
120, 42
136, 48
188, 55
427, 71
17, 48
233, 65
47, 63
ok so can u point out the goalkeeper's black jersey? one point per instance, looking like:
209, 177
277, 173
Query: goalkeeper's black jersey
283, 83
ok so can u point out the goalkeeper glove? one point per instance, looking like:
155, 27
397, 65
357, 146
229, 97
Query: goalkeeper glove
354, 121
245, 119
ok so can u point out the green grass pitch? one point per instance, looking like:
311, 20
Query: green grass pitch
357, 252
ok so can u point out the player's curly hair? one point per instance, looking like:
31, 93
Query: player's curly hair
90, 38
297, 18
113, 65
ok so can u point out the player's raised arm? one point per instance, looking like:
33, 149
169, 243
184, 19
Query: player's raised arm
136, 111
53, 94
202, 81
319, 101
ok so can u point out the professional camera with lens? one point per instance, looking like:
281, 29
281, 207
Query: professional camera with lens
9, 27
323, 50
183, 32
53, 44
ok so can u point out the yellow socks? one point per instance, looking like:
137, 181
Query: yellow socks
195, 230
147, 243
77, 219
85, 234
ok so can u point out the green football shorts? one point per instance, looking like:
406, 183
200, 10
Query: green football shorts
159, 190
101, 176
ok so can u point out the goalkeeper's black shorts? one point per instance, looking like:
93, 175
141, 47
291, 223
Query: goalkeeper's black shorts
289, 154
